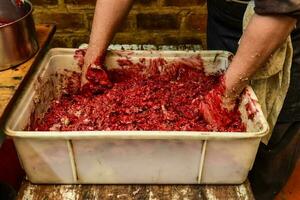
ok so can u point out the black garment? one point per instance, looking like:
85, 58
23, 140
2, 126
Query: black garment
275, 161
291, 107
7, 192
286, 7
224, 25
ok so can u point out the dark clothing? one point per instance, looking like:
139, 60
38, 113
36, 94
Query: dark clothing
224, 26
291, 107
7, 192
286, 7
274, 162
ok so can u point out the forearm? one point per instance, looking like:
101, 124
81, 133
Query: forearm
108, 16
263, 35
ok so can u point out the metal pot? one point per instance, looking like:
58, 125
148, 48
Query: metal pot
18, 40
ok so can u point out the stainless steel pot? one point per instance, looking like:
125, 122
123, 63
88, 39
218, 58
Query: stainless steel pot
18, 40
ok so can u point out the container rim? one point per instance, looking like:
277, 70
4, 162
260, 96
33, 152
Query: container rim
52, 51
176, 135
23, 17
147, 135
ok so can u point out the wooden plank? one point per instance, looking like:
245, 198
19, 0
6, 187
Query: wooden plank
11, 79
30, 191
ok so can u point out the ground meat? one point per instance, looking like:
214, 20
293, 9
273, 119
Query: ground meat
162, 96
98, 80
213, 110
96, 75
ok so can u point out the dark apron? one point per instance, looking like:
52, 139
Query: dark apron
274, 162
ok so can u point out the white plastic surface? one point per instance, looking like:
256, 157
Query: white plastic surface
130, 156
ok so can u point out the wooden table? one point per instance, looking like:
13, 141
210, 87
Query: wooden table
11, 82
30, 191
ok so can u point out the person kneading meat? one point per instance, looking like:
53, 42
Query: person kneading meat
108, 16
263, 59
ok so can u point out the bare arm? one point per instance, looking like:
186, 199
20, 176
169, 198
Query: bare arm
108, 16
263, 35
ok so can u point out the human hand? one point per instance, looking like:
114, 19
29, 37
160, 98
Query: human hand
85, 58
94, 78
217, 108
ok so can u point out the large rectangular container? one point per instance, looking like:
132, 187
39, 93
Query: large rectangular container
129, 157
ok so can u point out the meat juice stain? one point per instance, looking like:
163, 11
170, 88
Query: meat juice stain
141, 97
250, 107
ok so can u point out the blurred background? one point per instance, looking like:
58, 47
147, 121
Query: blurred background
169, 22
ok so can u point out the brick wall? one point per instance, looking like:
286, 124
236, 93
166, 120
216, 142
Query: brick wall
149, 21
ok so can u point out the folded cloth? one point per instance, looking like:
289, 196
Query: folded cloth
271, 82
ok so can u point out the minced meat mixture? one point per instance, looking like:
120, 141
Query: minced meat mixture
152, 95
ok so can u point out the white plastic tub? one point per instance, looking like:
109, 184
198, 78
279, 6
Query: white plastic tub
130, 156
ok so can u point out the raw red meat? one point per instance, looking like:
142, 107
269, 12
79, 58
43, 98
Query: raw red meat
148, 95
214, 112
96, 75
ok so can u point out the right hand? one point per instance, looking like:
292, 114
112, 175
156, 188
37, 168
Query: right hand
88, 58
94, 78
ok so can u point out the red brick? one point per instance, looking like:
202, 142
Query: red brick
159, 38
178, 40
93, 2
197, 22
78, 40
184, 2
145, 2
129, 24
44, 2
137, 38
81, 2
60, 41
147, 23
90, 18
157, 21
64, 20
